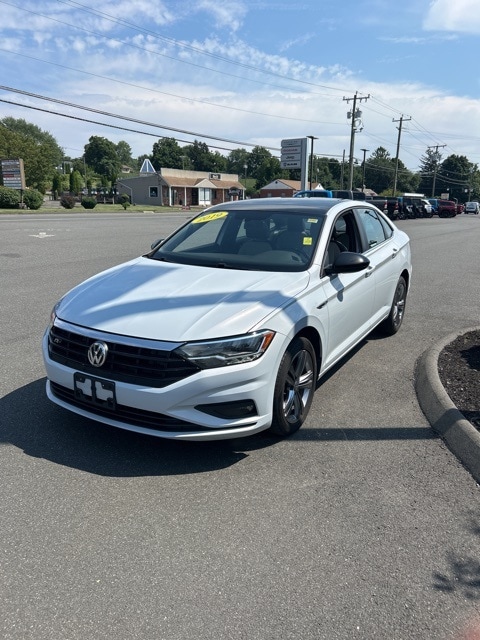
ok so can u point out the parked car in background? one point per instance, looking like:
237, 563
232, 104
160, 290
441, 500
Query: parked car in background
415, 207
434, 203
348, 195
380, 202
447, 209
224, 328
427, 208
313, 193
472, 207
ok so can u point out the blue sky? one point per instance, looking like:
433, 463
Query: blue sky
239, 73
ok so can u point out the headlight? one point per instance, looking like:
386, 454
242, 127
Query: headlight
228, 351
53, 315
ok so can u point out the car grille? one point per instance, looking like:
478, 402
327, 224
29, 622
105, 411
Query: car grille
128, 415
125, 363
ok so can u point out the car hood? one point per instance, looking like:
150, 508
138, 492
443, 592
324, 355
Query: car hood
174, 302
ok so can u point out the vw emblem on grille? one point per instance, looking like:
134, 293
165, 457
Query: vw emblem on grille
97, 354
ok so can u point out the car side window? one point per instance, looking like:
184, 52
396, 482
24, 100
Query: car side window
373, 228
344, 237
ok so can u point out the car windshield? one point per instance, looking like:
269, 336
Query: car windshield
265, 240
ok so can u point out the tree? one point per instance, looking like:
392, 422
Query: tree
199, 156
237, 160
429, 164
321, 172
124, 153
267, 171
258, 156
40, 152
76, 182
57, 186
454, 177
407, 181
218, 162
379, 171
167, 153
101, 155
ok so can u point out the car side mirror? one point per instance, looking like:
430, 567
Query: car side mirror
348, 262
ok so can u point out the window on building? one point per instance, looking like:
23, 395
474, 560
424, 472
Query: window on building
153, 192
204, 196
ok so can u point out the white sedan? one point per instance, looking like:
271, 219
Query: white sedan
223, 329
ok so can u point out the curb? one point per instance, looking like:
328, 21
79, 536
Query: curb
461, 437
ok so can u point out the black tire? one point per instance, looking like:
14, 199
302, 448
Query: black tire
393, 321
294, 387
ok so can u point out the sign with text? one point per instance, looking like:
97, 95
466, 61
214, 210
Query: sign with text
13, 175
294, 156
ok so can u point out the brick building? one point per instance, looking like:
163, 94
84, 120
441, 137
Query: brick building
175, 187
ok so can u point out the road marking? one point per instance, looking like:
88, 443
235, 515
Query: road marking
42, 234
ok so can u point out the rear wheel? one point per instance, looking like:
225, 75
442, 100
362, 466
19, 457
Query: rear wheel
294, 387
393, 321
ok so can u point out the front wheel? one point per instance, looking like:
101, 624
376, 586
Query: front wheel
393, 321
294, 387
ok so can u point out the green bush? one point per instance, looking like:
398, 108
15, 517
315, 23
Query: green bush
67, 202
124, 200
9, 198
89, 203
33, 198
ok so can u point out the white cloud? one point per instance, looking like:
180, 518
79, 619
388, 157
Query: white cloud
457, 15
227, 13
296, 41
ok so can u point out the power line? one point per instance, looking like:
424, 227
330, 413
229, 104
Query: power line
165, 93
193, 64
126, 118
113, 126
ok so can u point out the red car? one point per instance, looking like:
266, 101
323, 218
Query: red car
447, 209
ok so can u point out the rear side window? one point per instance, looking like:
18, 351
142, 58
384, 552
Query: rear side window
376, 230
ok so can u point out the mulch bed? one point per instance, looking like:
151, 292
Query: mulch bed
459, 370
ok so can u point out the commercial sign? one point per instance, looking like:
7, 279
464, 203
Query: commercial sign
13, 175
294, 156
294, 152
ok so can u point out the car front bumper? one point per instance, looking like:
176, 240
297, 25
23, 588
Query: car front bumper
213, 404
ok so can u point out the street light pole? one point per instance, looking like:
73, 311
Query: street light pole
312, 138
245, 166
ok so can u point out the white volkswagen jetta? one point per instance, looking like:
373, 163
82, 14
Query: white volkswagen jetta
223, 329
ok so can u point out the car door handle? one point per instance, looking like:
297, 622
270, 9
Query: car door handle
395, 253
369, 271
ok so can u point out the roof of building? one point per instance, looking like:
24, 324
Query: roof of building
296, 185
181, 179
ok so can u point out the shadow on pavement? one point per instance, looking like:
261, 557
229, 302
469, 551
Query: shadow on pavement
43, 430
462, 576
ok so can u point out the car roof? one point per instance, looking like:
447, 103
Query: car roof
319, 205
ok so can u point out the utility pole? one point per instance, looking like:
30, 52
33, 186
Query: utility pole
356, 117
436, 147
394, 190
363, 168
342, 170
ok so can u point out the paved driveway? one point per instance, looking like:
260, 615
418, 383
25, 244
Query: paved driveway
362, 525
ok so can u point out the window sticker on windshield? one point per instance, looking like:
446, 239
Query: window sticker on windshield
208, 217
312, 220
307, 241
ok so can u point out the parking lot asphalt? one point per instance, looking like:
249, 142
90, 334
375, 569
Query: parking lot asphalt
461, 437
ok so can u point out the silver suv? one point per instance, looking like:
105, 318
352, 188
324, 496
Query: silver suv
472, 207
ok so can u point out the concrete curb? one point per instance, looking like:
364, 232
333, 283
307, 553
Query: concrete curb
461, 437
